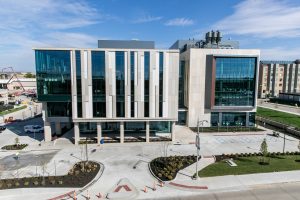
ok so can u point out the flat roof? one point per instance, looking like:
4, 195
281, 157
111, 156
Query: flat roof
100, 49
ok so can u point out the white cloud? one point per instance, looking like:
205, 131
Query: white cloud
179, 22
146, 19
263, 18
43, 23
280, 53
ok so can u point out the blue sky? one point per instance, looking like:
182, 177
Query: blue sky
270, 25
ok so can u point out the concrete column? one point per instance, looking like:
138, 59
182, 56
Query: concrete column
58, 128
173, 131
76, 133
47, 132
147, 131
247, 119
122, 132
99, 132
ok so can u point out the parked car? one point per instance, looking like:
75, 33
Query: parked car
33, 129
2, 128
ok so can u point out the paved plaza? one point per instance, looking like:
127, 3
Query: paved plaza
130, 161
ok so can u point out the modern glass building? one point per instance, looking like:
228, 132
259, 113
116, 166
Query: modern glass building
122, 94
108, 93
220, 86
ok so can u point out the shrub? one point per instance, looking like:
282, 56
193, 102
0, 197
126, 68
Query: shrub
17, 184
26, 183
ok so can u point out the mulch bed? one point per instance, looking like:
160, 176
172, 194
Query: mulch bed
166, 168
76, 178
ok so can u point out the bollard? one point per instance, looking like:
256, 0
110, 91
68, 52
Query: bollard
88, 195
154, 186
145, 190
74, 196
161, 184
99, 196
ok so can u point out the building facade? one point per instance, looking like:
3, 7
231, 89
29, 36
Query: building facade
278, 76
220, 86
106, 92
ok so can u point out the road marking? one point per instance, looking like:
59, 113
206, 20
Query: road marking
122, 186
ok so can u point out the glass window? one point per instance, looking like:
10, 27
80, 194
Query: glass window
53, 70
181, 84
59, 109
98, 81
182, 117
146, 76
132, 82
120, 83
161, 77
235, 81
78, 82
160, 127
233, 119
214, 119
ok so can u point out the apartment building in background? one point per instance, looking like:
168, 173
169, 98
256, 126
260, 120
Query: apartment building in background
278, 76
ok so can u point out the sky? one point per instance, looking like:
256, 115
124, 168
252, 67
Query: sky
273, 26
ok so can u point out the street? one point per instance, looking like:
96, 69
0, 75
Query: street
282, 191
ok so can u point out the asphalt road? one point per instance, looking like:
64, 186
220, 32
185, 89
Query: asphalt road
283, 191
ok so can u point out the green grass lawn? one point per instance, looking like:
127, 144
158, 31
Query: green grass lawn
285, 118
250, 165
12, 110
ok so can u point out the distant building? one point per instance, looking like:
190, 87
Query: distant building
278, 76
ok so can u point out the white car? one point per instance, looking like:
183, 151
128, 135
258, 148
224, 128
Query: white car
33, 129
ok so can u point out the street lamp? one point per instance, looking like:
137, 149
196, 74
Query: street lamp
197, 142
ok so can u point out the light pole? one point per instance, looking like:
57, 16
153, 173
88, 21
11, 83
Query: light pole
197, 142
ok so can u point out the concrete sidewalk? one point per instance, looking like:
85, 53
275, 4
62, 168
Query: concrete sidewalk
239, 182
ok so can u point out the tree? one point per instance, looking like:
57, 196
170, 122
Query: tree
29, 75
17, 141
264, 150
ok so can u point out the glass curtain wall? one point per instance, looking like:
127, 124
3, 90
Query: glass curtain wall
146, 76
53, 68
235, 81
120, 83
98, 81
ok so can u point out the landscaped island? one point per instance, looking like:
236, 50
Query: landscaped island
80, 175
166, 168
252, 163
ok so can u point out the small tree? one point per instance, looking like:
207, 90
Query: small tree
264, 150
17, 141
